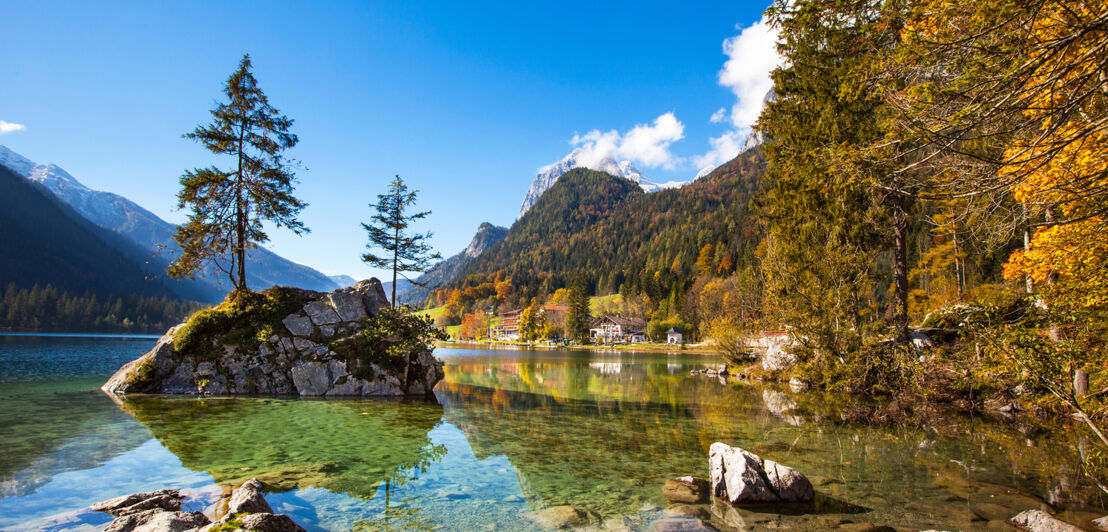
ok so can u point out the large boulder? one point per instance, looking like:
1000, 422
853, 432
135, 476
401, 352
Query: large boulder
249, 498
318, 349
739, 476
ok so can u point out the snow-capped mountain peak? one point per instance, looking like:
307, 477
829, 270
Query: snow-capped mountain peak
55, 178
18, 163
578, 158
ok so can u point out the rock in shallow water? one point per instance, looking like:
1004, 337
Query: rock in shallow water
139, 502
247, 507
158, 521
295, 357
1040, 521
248, 498
740, 476
268, 522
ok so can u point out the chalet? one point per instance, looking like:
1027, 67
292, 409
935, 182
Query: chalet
674, 337
508, 330
618, 329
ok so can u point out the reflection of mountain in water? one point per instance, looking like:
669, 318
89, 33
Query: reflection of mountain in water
51, 433
586, 435
344, 446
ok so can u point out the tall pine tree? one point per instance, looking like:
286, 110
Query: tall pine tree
402, 252
229, 205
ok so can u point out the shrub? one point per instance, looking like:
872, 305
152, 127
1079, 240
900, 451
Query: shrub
391, 339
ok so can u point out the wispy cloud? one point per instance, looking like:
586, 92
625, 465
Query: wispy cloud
645, 144
8, 127
751, 56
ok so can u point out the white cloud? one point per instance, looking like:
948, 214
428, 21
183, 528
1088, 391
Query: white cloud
751, 56
724, 148
646, 145
718, 116
8, 127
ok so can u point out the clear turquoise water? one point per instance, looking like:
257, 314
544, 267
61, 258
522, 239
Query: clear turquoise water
511, 432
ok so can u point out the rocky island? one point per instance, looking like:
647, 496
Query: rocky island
288, 341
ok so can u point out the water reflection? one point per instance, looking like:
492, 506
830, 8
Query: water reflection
603, 432
353, 447
514, 432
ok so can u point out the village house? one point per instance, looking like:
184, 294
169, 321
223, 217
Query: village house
618, 329
674, 337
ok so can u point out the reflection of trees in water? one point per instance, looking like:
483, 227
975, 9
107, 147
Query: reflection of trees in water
400, 517
344, 446
605, 440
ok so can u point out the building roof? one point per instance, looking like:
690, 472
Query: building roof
673, 331
624, 322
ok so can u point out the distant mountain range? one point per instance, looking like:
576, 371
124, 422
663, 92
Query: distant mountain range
549, 174
343, 281
445, 271
47, 242
154, 236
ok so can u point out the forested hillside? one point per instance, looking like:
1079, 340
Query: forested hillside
46, 242
49, 309
621, 238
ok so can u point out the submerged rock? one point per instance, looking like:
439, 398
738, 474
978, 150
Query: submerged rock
558, 517
740, 476
317, 349
689, 490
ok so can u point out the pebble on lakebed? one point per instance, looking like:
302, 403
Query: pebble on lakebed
160, 511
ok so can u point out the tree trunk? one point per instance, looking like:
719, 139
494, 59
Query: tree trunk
396, 248
240, 217
900, 266
1028, 283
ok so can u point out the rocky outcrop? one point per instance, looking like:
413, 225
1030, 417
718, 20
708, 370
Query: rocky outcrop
318, 350
159, 511
740, 476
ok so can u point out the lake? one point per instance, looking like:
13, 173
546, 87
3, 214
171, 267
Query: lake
512, 432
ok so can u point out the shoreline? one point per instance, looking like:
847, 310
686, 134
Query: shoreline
698, 349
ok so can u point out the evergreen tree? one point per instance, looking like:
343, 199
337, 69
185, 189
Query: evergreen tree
229, 205
402, 252
824, 225
578, 312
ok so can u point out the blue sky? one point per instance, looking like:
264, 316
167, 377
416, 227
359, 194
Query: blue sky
465, 100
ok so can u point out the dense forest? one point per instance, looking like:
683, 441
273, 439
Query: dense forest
49, 309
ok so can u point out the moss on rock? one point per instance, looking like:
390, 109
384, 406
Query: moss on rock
245, 318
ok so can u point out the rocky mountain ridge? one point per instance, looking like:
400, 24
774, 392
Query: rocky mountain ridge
155, 236
548, 175
487, 235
